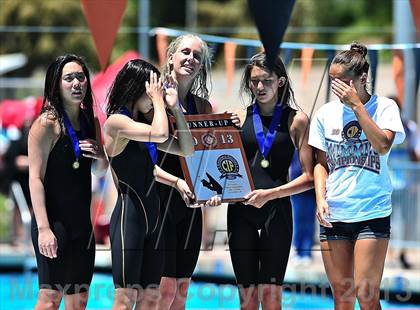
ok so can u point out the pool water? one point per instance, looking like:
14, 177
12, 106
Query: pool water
19, 291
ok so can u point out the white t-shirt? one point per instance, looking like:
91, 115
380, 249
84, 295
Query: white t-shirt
358, 185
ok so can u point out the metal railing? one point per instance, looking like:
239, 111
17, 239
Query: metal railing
16, 199
405, 218
17, 193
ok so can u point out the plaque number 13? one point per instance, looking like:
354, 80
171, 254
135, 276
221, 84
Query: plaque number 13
227, 139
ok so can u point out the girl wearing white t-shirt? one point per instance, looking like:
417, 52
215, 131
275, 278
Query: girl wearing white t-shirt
352, 137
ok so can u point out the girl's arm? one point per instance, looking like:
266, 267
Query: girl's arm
166, 178
95, 149
183, 144
380, 139
299, 131
42, 136
119, 128
320, 180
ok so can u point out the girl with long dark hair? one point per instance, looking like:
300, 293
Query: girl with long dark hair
62, 142
137, 125
260, 228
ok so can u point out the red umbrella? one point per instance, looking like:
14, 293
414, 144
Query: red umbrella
16, 112
103, 81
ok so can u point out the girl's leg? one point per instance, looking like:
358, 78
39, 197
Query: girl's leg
173, 293
270, 296
148, 299
243, 247
124, 298
274, 251
369, 259
76, 301
48, 299
248, 298
182, 248
127, 234
339, 266
181, 294
167, 292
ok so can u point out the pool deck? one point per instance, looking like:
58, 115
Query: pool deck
215, 264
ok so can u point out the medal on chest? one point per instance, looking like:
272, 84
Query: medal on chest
264, 163
76, 165
73, 138
265, 142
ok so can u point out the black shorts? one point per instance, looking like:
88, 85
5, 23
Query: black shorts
260, 241
379, 228
137, 261
182, 231
72, 270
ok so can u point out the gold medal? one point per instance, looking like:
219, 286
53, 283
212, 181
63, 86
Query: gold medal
265, 163
76, 165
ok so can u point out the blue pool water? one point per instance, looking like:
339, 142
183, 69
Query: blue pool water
19, 291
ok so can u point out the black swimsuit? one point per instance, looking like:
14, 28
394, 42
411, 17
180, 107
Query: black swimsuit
134, 226
182, 226
68, 194
260, 239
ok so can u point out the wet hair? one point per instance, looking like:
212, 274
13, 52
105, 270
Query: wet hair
53, 102
285, 92
353, 60
129, 85
199, 86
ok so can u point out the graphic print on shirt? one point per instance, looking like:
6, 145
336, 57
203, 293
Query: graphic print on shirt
352, 151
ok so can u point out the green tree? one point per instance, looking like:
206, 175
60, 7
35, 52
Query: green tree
363, 20
342, 21
71, 33
321, 21
42, 47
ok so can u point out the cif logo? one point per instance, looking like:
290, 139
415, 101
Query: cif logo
228, 167
352, 131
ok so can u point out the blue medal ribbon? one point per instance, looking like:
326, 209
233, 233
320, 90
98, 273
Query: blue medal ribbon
265, 143
151, 147
73, 137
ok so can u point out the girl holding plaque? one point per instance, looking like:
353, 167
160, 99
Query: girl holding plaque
62, 142
188, 63
260, 228
137, 125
